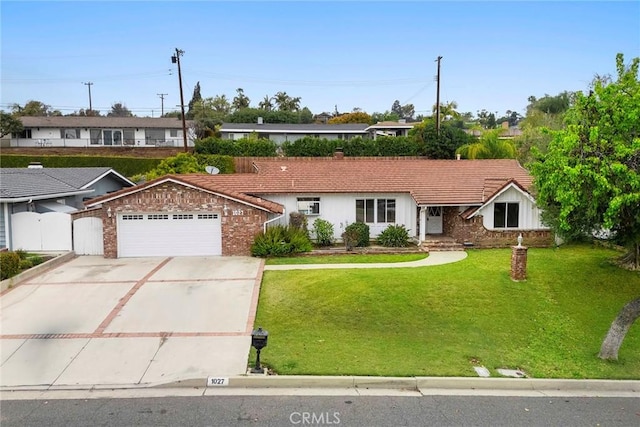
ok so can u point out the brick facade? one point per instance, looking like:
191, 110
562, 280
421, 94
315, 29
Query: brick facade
240, 222
518, 263
472, 232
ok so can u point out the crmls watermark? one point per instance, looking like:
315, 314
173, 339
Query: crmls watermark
314, 418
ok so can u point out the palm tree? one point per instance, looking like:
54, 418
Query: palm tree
489, 146
266, 104
448, 110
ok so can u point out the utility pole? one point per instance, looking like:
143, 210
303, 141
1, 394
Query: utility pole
175, 59
89, 84
438, 98
162, 95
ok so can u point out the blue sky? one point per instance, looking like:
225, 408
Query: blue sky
350, 53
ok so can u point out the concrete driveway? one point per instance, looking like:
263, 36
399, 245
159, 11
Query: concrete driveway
136, 321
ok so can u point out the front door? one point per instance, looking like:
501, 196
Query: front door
434, 220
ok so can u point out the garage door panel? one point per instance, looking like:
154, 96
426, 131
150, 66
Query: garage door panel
184, 234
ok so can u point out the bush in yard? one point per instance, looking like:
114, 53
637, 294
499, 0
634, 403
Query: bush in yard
323, 230
9, 264
299, 220
357, 234
394, 236
280, 240
25, 264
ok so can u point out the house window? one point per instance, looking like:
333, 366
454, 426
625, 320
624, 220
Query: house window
387, 210
154, 136
376, 210
173, 133
505, 215
105, 136
70, 133
364, 210
309, 205
95, 136
25, 134
129, 137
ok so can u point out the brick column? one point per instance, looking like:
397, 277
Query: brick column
518, 263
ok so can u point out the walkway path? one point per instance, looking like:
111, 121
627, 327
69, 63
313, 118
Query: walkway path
434, 258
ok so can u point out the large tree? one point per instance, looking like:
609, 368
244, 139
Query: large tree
286, 102
589, 180
355, 117
439, 145
196, 98
119, 110
9, 124
241, 100
33, 108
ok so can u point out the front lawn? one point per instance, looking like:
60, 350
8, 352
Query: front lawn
443, 320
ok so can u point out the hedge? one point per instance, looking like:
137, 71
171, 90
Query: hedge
127, 166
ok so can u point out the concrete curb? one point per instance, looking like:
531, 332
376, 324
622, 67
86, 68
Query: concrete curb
415, 383
14, 281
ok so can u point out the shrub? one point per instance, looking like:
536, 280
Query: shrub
299, 220
357, 233
36, 260
280, 240
394, 236
323, 230
9, 264
25, 264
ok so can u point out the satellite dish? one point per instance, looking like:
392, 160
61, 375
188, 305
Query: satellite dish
212, 170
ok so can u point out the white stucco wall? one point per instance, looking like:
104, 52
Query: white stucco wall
528, 212
50, 137
340, 210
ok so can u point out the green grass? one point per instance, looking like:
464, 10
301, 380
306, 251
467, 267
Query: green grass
346, 259
441, 320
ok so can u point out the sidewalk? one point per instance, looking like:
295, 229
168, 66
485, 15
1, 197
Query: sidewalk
434, 258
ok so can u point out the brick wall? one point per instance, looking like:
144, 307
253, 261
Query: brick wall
473, 231
240, 223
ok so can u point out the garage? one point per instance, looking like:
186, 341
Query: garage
169, 234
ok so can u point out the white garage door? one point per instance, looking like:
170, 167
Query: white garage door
166, 234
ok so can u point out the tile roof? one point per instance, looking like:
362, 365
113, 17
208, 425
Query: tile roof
35, 182
101, 122
429, 182
435, 182
194, 180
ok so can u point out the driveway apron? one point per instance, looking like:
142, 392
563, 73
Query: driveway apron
133, 321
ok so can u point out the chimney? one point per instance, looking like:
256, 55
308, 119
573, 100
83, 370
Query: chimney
35, 165
339, 154
505, 125
402, 121
260, 120
457, 156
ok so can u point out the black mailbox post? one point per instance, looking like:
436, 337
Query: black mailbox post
258, 341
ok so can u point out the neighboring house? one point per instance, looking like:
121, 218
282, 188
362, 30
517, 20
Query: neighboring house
281, 132
484, 203
390, 128
30, 197
77, 131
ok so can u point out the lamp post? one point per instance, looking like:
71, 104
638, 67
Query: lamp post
258, 341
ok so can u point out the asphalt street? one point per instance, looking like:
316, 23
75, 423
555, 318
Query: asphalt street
232, 411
